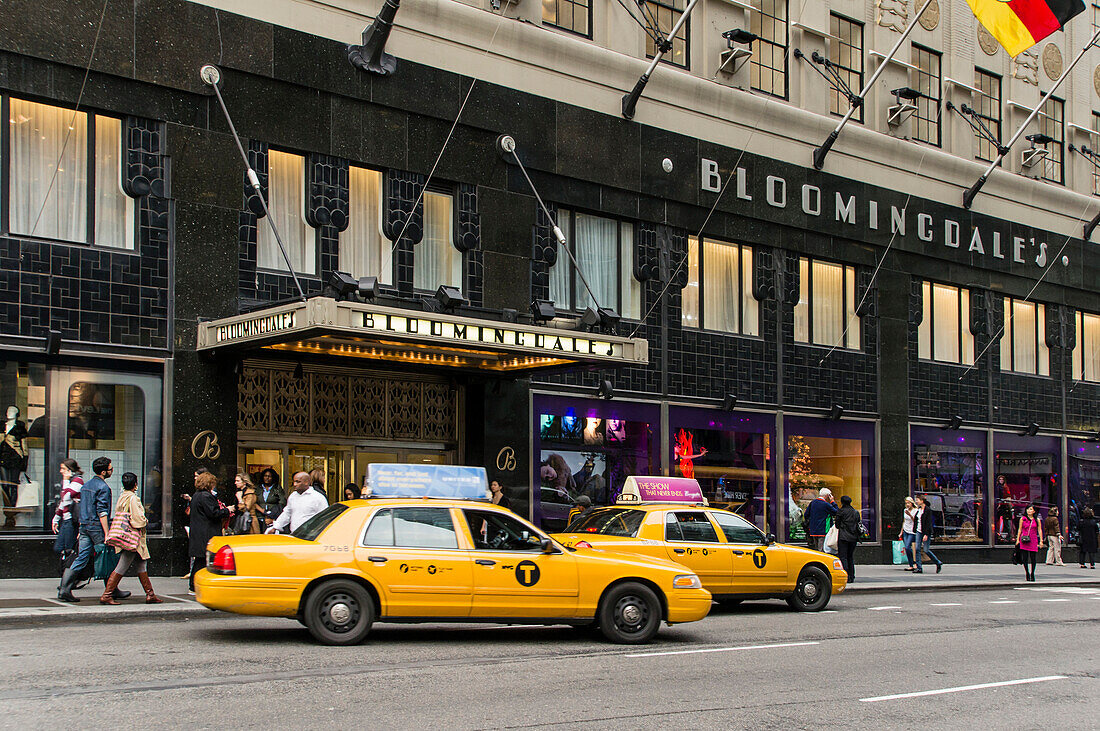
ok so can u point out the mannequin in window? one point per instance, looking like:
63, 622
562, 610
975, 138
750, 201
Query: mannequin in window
13, 456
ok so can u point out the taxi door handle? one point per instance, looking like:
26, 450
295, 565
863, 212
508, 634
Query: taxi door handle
677, 550
377, 559
485, 562
738, 553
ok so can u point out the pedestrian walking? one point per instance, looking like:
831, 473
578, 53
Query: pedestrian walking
820, 509
250, 518
207, 515
130, 506
65, 521
499, 498
908, 534
1086, 543
317, 481
1029, 539
95, 511
270, 496
301, 505
925, 523
849, 534
1055, 539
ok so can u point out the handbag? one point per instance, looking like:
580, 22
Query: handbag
1017, 556
105, 562
832, 538
121, 534
899, 553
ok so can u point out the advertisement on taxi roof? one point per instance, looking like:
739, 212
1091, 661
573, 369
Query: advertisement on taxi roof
668, 489
427, 480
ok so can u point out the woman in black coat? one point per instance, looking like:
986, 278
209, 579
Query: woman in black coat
1086, 544
848, 535
207, 516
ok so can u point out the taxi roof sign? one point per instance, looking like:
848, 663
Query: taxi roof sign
427, 480
657, 489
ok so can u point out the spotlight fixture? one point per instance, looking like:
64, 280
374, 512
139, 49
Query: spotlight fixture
1094, 436
368, 287
729, 403
543, 311
606, 389
1030, 430
53, 342
1033, 155
591, 318
343, 285
509, 314
738, 50
739, 36
299, 372
609, 320
904, 106
836, 412
450, 298
953, 423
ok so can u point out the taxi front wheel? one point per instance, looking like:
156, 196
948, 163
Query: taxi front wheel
812, 592
339, 612
630, 614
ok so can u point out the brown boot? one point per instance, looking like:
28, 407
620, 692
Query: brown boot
112, 584
150, 597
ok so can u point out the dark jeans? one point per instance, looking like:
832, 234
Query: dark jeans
847, 551
196, 564
925, 543
907, 540
1028, 559
90, 537
815, 542
1088, 557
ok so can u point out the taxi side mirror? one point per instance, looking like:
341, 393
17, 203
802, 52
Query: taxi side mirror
546, 545
769, 539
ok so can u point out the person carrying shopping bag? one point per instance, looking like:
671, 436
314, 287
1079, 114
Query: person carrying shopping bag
908, 534
127, 536
1054, 538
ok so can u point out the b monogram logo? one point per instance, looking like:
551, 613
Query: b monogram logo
506, 459
205, 445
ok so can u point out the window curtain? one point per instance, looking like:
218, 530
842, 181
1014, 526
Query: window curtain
1006, 337
802, 309
946, 308
750, 309
1023, 337
560, 292
1042, 353
437, 261
828, 303
851, 320
114, 210
631, 287
689, 303
721, 268
924, 330
44, 138
286, 201
964, 326
364, 252
596, 244
1088, 340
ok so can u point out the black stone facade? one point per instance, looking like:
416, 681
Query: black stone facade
196, 252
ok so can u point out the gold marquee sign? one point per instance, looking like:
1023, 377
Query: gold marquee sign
324, 326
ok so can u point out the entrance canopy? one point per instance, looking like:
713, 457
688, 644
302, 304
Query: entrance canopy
324, 326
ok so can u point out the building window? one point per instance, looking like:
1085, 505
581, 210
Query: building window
574, 16
1095, 139
604, 249
364, 251
768, 70
987, 103
948, 469
1023, 342
286, 203
664, 15
718, 295
1051, 118
437, 261
927, 81
826, 309
944, 332
846, 52
55, 158
1086, 353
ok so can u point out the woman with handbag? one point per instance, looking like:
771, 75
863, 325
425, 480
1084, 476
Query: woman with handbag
127, 535
1029, 539
207, 514
850, 532
249, 515
908, 534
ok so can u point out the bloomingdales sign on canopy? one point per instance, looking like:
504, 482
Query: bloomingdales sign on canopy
866, 216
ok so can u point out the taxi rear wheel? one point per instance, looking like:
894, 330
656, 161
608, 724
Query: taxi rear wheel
630, 614
339, 612
812, 592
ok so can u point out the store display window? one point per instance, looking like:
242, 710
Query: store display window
1026, 471
949, 470
731, 455
1083, 483
588, 448
838, 455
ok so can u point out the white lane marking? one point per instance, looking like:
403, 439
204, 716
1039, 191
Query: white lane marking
827, 611
880, 609
724, 649
1005, 601
962, 688
1062, 589
946, 604
1056, 600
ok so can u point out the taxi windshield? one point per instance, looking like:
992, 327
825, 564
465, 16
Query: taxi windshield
312, 528
622, 522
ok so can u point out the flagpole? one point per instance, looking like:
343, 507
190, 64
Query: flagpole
821, 152
968, 196
630, 101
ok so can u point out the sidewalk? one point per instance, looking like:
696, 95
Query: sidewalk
28, 602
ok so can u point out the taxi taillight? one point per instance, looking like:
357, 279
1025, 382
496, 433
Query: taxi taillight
582, 544
223, 562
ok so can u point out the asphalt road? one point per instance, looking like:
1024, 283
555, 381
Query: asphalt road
758, 665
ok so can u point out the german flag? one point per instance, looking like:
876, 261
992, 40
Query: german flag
1020, 24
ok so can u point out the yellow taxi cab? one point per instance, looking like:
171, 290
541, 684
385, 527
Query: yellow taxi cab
664, 517
429, 546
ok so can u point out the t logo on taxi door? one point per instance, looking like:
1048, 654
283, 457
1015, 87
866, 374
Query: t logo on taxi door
527, 573
760, 558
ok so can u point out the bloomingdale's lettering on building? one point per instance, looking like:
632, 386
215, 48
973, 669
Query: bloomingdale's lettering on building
845, 208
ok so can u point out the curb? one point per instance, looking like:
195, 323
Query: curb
965, 587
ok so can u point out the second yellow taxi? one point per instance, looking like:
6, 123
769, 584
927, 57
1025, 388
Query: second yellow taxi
663, 517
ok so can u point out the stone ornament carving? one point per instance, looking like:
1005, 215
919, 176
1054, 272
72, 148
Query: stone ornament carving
987, 42
1025, 67
893, 14
930, 18
1052, 61
1096, 80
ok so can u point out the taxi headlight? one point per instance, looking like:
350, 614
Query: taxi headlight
687, 581
837, 565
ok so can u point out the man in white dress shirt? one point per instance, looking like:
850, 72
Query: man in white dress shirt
301, 505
